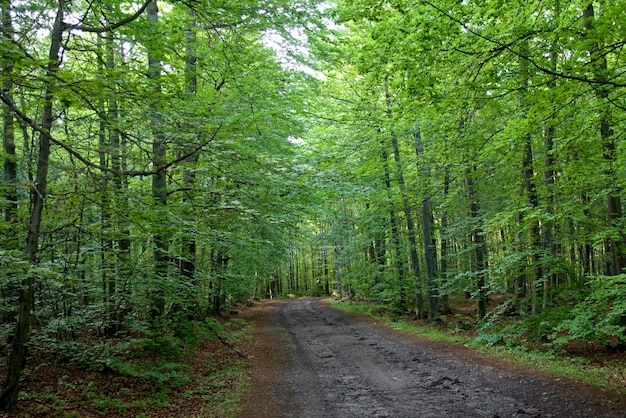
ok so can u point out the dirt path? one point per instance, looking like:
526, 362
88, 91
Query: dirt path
313, 361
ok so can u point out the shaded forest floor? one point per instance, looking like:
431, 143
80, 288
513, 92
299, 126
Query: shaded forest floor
213, 378
206, 381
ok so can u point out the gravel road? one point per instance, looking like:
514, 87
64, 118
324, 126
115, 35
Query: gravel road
315, 361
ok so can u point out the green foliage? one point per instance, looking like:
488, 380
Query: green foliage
524, 331
212, 327
162, 372
89, 356
13, 269
158, 346
601, 317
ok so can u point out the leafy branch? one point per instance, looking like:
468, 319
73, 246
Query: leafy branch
6, 99
502, 47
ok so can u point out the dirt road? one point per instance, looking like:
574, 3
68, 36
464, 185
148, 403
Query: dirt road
311, 360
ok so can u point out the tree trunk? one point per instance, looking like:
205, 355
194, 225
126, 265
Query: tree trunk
377, 252
395, 235
9, 185
107, 265
326, 272
159, 178
220, 265
123, 265
406, 207
549, 245
106, 245
533, 238
8, 398
430, 248
445, 301
478, 242
8, 137
530, 190
616, 248
188, 259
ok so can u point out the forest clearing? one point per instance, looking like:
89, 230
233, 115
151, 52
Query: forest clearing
455, 164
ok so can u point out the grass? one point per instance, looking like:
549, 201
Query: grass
398, 323
230, 383
608, 373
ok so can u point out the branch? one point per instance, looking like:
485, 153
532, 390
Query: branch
176, 160
112, 26
508, 47
35, 126
6, 99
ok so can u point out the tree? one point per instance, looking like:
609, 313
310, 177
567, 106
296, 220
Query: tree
616, 244
9, 396
427, 226
8, 128
538, 73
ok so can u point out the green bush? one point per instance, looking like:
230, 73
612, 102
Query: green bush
172, 373
88, 356
601, 317
165, 347
526, 330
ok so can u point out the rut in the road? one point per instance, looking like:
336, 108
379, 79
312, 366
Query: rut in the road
339, 365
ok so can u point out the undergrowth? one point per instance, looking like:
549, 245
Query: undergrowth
190, 371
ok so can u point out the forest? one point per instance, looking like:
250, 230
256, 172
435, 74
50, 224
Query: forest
164, 161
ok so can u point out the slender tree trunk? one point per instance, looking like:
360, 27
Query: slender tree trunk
411, 230
521, 280
549, 245
377, 251
616, 248
395, 235
220, 266
106, 243
292, 272
107, 269
534, 237
8, 135
326, 272
430, 248
297, 272
159, 179
8, 398
308, 272
530, 191
8, 188
478, 242
445, 301
188, 259
406, 207
589, 263
123, 265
